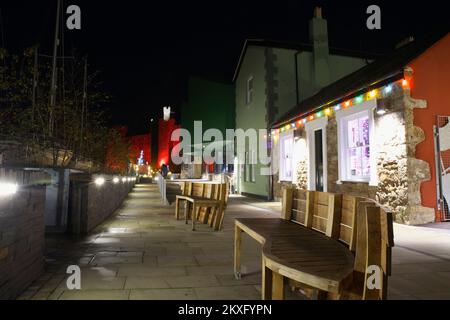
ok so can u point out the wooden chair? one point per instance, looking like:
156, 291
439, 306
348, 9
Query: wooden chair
205, 202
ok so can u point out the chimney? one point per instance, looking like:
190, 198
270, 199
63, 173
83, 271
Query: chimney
318, 34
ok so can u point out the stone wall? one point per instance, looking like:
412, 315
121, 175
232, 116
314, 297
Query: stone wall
22, 236
91, 204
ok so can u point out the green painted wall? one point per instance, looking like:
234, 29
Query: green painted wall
284, 75
339, 67
252, 115
211, 102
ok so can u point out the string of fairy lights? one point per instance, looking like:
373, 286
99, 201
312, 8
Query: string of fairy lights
327, 111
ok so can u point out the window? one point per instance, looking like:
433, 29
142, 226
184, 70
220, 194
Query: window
356, 144
286, 157
249, 95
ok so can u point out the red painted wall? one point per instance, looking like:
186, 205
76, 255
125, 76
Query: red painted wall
165, 146
431, 82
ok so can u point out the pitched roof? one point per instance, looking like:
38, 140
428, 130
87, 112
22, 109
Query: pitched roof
296, 46
376, 74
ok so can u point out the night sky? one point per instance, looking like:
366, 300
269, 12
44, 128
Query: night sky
145, 50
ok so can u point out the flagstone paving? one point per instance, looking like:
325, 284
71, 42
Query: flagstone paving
142, 252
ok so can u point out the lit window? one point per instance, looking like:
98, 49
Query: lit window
286, 157
249, 95
355, 147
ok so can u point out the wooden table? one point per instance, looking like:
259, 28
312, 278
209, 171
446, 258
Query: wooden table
296, 252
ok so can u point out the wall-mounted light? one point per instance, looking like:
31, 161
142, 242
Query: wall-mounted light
116, 180
156, 178
380, 111
7, 189
124, 179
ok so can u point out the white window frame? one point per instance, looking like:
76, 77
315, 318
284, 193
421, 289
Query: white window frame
311, 128
368, 108
282, 138
249, 91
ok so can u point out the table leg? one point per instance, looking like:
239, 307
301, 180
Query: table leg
266, 287
237, 251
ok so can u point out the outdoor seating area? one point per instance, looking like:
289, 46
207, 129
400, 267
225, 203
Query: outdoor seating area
203, 201
329, 244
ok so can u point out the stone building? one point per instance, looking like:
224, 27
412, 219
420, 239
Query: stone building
366, 134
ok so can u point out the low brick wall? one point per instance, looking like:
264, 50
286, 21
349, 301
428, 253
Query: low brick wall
90, 204
22, 239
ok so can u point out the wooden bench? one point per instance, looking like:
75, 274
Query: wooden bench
315, 244
203, 201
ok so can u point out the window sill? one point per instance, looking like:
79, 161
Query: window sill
352, 181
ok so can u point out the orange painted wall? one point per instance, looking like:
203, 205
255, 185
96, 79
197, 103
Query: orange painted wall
431, 82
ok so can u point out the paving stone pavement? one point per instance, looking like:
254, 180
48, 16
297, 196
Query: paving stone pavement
142, 252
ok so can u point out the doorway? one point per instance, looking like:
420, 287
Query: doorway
317, 146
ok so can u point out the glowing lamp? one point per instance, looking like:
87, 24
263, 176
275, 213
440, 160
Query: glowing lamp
337, 107
156, 178
319, 114
372, 94
116, 180
311, 118
124, 179
293, 125
327, 111
388, 89
359, 99
405, 83
99, 181
304, 120
381, 111
347, 103
7, 189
